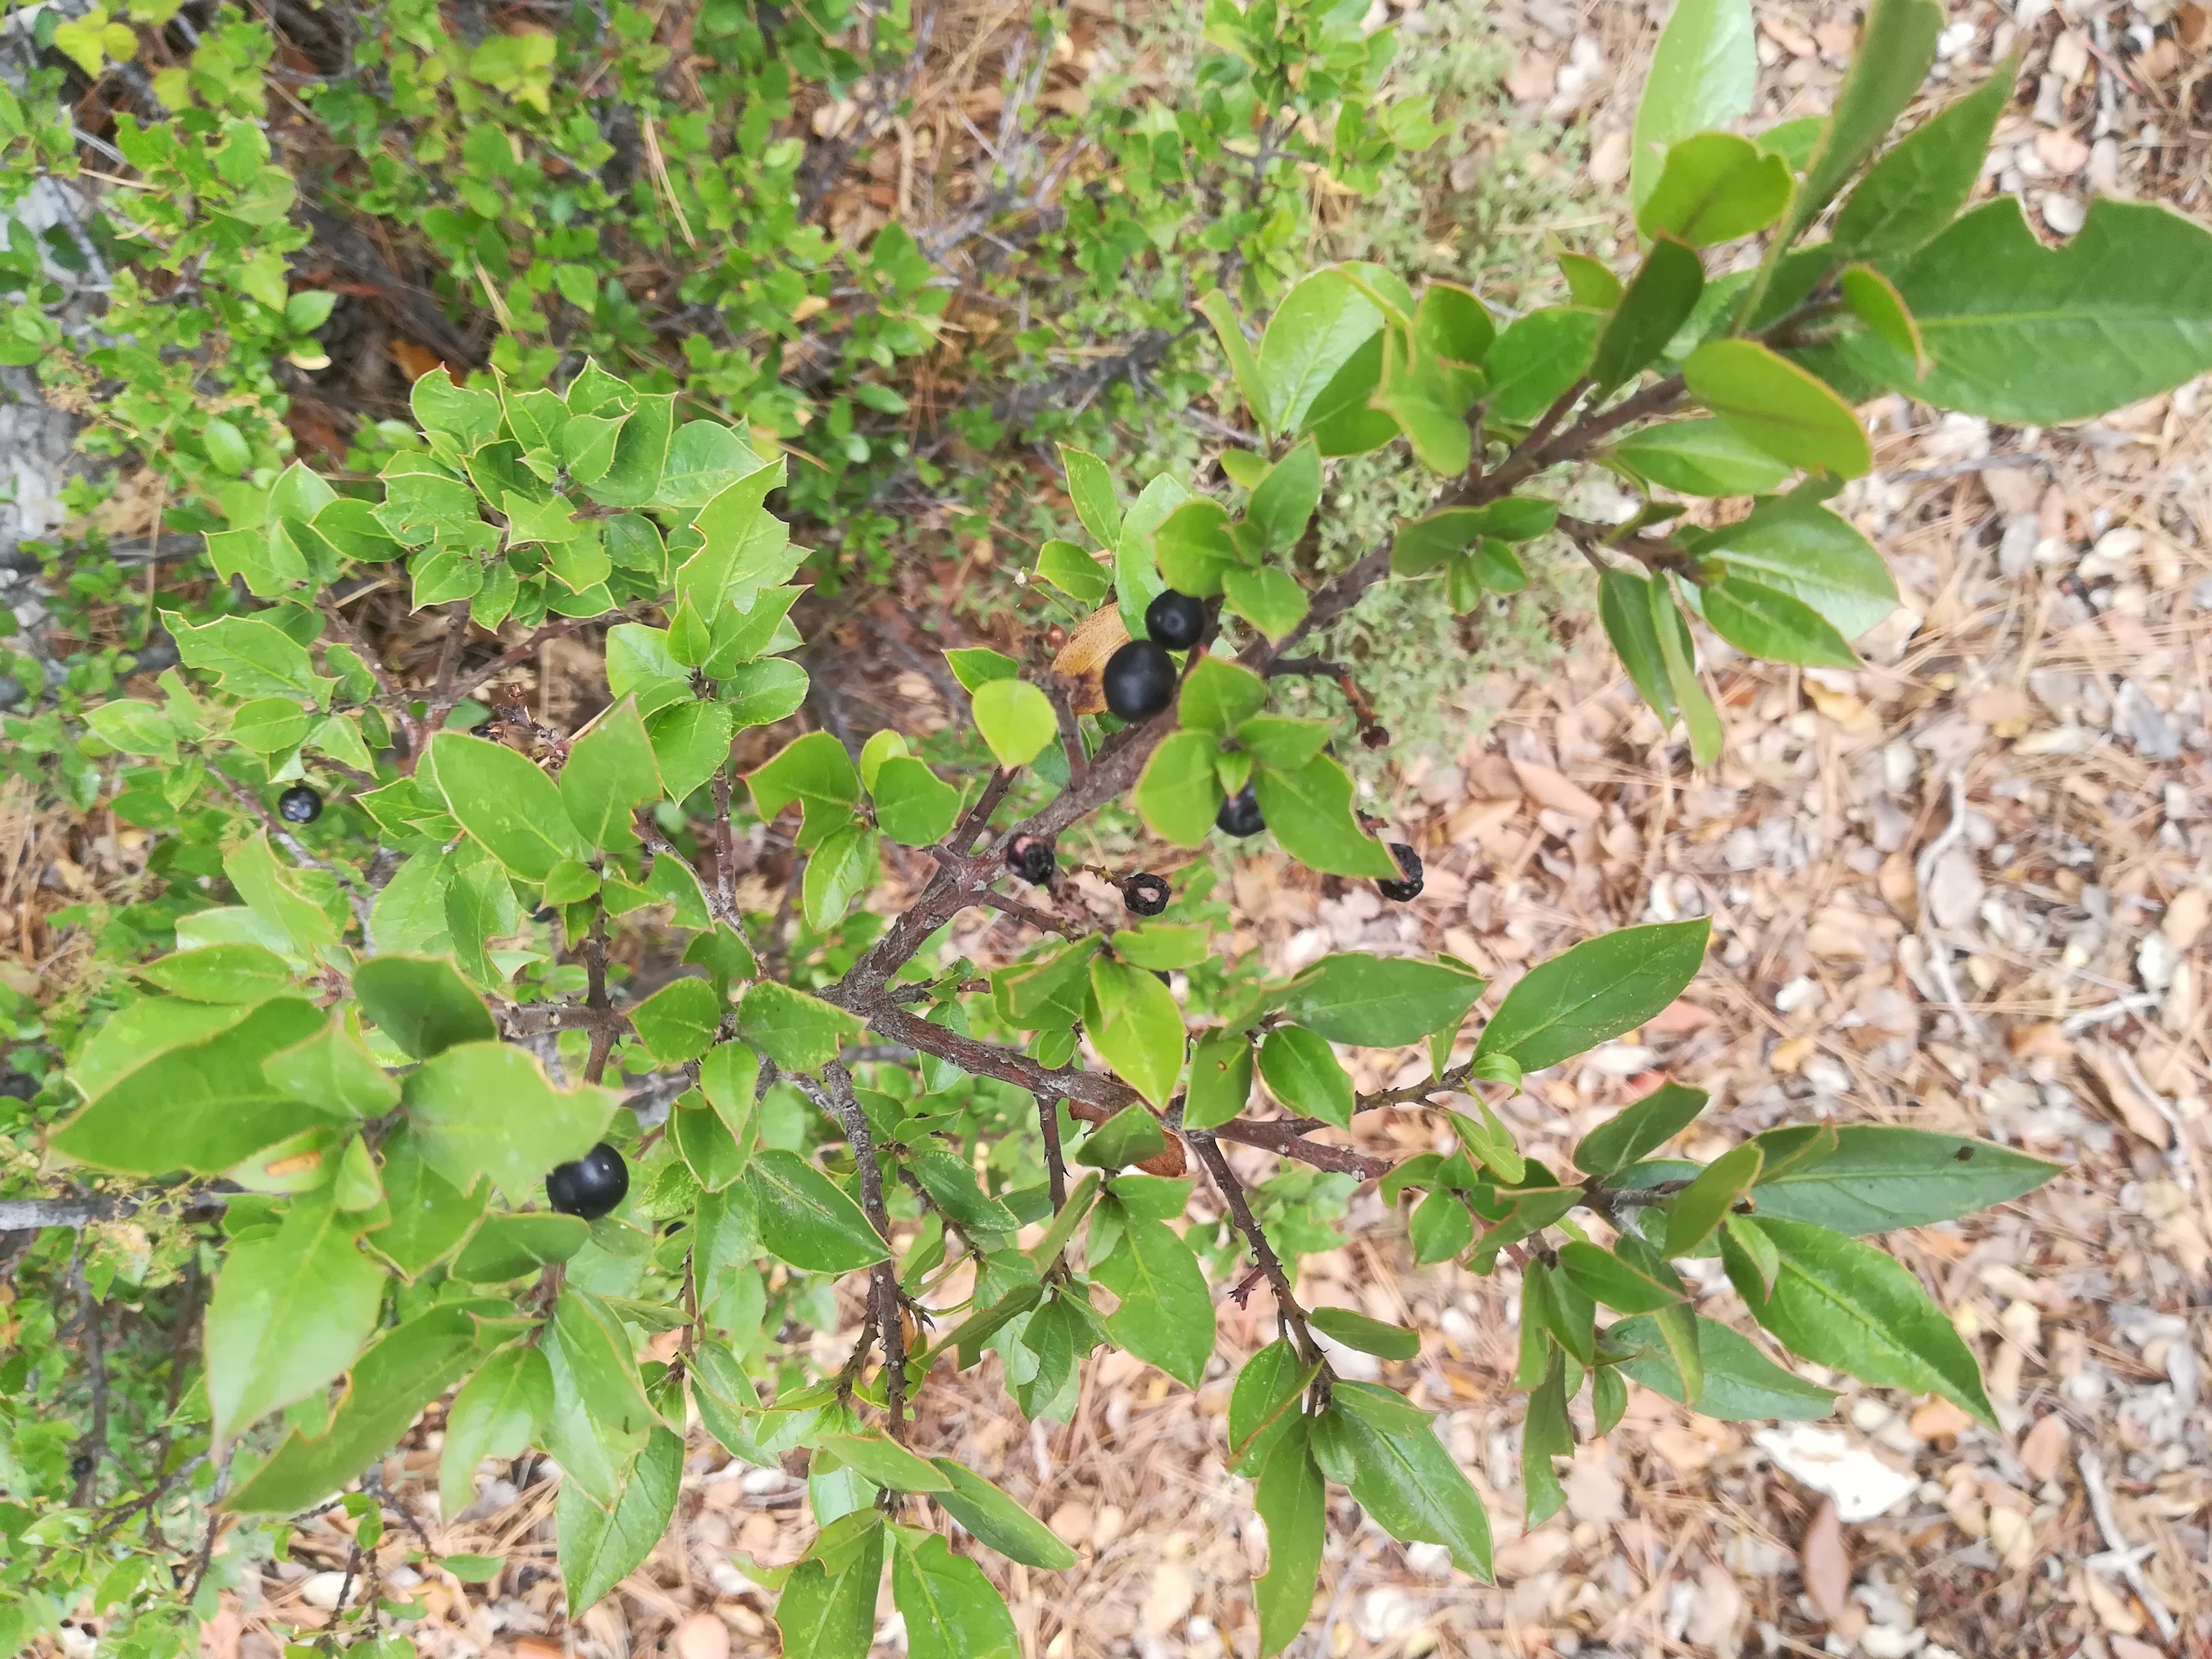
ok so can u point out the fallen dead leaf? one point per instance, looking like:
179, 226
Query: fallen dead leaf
1554, 789
702, 1636
2045, 1448
1827, 1563
1790, 1055
1939, 1419
2186, 917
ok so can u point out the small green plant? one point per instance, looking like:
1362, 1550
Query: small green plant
365, 1100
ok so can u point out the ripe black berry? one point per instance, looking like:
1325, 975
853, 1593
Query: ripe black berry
80, 1466
591, 1186
1240, 814
1140, 680
300, 804
1175, 620
1409, 861
1146, 893
1032, 859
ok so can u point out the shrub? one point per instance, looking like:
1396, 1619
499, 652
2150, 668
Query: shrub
334, 1103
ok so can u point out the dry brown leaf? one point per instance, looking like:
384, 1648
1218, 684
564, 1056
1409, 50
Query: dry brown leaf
1547, 788
702, 1636
2120, 1092
2186, 917
2045, 1448
1939, 1419
1827, 1563
1085, 652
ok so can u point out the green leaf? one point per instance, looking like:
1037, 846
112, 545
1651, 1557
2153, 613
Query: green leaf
806, 1219
506, 803
1767, 623
1605, 1278
1538, 357
1219, 696
952, 1611
884, 1461
1490, 1144
1269, 598
950, 1184
429, 1214
1046, 1250
489, 1109
843, 868
1282, 742
333, 1071
1137, 1028
1875, 302
1714, 188
188, 1096
815, 771
1546, 1434
1921, 184
679, 1021
1017, 720
1440, 1229
1047, 989
1658, 302
290, 1311
600, 1547
1132, 1135
691, 743
1090, 486
1699, 1210
421, 1004
402, 1371
1193, 548
1879, 1179
1799, 548
1311, 811
2032, 335
1220, 1080
1701, 76
1639, 1130
1303, 1072
143, 728
1382, 1002
610, 771
268, 726
1897, 44
1166, 1316
1283, 502
914, 806
1843, 1303
997, 1520
1074, 571
1599, 989
1741, 1385
1319, 324
1263, 1403
975, 666
273, 891
1403, 1477
1163, 944
1783, 409
828, 1608
1698, 458
1357, 1330
499, 1413
1292, 1499
1137, 581
470, 418
230, 973
506, 1247
1342, 419
1220, 310
1625, 606
1179, 794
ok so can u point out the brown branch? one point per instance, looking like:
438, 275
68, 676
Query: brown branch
886, 1302
1240, 1212
595, 970
1044, 922
442, 697
93, 1446
1071, 734
1055, 1163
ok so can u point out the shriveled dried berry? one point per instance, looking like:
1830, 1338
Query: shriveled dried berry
1409, 861
1146, 893
1032, 860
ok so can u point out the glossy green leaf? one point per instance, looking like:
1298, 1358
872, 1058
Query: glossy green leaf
1292, 1499
1220, 1084
489, 1109
600, 1547
1639, 1130
1193, 548
1283, 502
1797, 547
843, 869
609, 772
1537, 358
1131, 1136
1767, 623
1319, 324
1016, 719
951, 1610
1698, 458
1880, 1179
1897, 44
806, 1219
1545, 1435
997, 1520
1772, 402
1701, 76
1875, 302
1843, 1303
1741, 1385
1305, 1074
1166, 1316
1137, 1028
1218, 696
1594, 992
1918, 187
1605, 1278
289, 1311
421, 1004
828, 1608
1270, 599
498, 1414
1625, 609
1402, 1475
1179, 794
333, 1071
505, 802
1090, 486
1382, 1002
1357, 1330
1715, 187
678, 1022
816, 772
1658, 301
1310, 812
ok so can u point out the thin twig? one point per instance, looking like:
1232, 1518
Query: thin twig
1263, 1253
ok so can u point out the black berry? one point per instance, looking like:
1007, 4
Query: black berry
1240, 814
1032, 859
481, 729
300, 804
1146, 893
591, 1186
1410, 862
1175, 620
1140, 680
80, 1466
